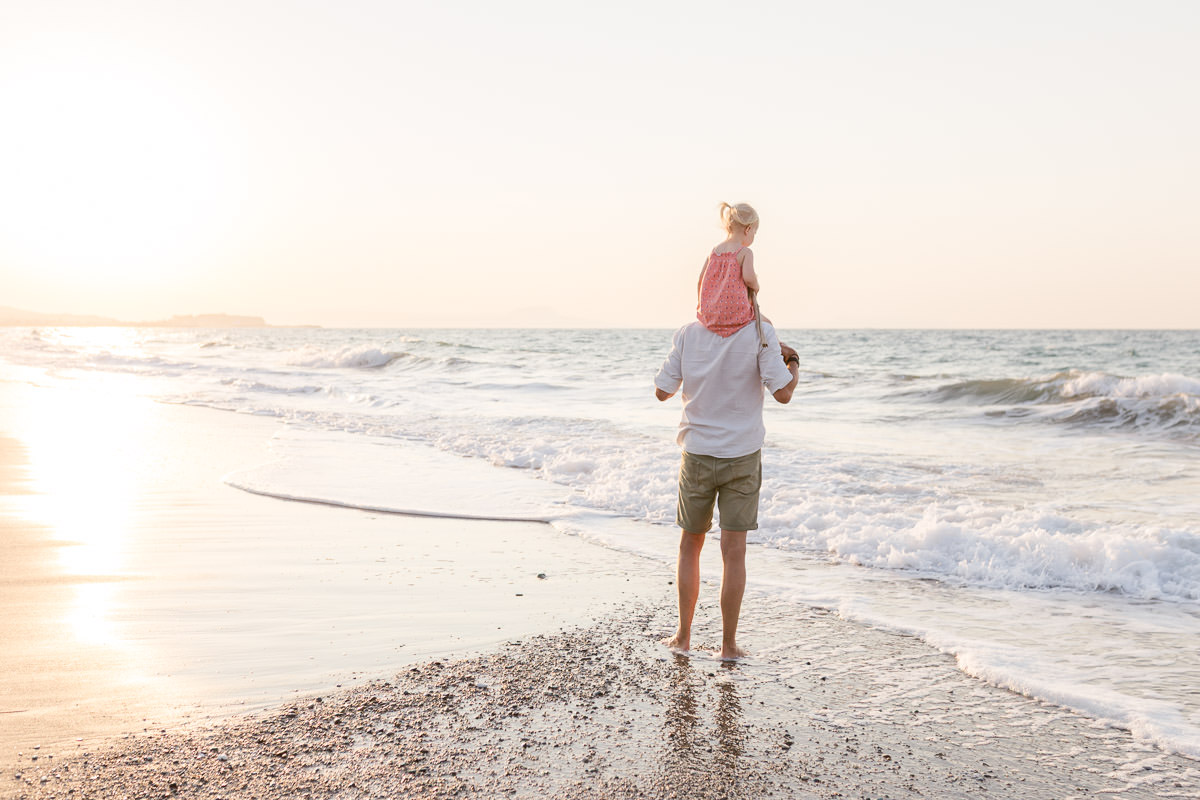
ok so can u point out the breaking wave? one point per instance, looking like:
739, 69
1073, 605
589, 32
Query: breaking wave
346, 357
1149, 403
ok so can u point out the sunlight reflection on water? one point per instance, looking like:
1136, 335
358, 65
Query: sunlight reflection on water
88, 474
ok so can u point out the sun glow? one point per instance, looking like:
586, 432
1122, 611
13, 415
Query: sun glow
87, 479
113, 169
81, 471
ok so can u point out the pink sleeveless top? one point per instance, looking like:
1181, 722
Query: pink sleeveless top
724, 306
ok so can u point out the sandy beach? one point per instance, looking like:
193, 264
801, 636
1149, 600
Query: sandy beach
167, 635
139, 590
603, 712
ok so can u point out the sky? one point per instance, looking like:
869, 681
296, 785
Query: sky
914, 165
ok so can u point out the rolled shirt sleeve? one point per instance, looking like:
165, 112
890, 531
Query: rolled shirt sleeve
774, 372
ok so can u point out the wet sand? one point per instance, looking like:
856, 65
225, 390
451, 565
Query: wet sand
139, 591
605, 712
212, 643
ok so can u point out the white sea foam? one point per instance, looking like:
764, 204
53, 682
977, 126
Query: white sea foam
349, 356
243, 385
1093, 384
985, 545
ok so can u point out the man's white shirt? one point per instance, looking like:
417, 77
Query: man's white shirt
722, 378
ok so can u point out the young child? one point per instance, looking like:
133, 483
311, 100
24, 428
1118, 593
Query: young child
728, 281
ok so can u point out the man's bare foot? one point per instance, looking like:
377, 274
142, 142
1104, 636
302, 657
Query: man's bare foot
678, 643
731, 653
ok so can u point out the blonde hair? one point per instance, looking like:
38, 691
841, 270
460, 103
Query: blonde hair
740, 214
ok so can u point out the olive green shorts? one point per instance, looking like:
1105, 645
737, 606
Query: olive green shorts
733, 484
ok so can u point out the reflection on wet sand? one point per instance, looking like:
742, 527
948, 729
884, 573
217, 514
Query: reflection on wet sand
695, 748
71, 492
88, 489
731, 735
682, 717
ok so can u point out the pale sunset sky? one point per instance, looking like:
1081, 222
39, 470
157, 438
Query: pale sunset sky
915, 164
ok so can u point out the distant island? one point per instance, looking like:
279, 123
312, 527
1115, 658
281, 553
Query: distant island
15, 317
209, 321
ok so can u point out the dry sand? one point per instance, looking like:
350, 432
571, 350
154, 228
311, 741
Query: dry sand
208, 662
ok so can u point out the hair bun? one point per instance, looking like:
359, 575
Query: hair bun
738, 213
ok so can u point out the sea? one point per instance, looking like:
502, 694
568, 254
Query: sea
1027, 502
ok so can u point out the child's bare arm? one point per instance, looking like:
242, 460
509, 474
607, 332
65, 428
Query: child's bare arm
700, 281
749, 276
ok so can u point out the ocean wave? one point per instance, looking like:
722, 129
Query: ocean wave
1066, 386
1164, 402
456, 363
346, 357
138, 364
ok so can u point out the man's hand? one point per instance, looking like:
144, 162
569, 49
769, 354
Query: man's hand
787, 353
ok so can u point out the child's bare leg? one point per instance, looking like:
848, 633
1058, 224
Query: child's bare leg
733, 586
687, 581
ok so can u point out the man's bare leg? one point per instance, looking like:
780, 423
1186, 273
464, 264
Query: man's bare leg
687, 581
733, 586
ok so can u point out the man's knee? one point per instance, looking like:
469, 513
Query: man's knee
691, 543
733, 545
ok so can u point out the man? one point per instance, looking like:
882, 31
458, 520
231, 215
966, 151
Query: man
721, 434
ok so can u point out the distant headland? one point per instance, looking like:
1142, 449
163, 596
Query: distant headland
15, 317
